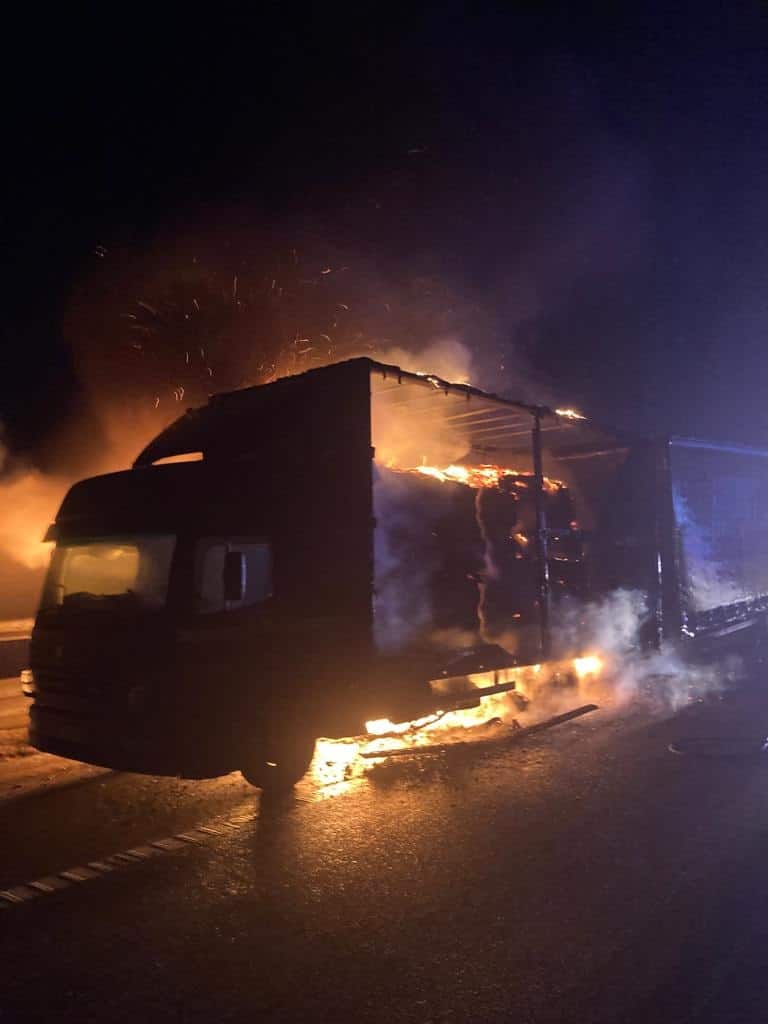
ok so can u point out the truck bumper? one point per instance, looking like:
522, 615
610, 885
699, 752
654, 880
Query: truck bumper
124, 746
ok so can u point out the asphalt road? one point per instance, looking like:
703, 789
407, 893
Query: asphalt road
587, 875
14, 716
13, 704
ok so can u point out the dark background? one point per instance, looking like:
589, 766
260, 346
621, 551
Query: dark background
577, 195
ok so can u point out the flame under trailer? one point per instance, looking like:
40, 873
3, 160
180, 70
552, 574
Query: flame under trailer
358, 542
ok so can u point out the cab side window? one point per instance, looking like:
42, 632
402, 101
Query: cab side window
210, 571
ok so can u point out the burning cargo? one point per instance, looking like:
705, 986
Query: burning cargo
354, 544
456, 549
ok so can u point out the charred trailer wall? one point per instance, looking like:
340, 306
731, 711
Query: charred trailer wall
623, 495
620, 496
509, 610
457, 565
680, 521
720, 499
428, 554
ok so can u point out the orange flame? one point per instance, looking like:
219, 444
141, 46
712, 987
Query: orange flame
480, 476
339, 761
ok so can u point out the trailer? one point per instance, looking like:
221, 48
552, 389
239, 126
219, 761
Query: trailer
351, 543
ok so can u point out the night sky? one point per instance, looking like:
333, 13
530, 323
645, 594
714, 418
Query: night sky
580, 196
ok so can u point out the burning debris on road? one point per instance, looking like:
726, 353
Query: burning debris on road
494, 717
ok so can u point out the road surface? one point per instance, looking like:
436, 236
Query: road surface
14, 645
14, 714
588, 875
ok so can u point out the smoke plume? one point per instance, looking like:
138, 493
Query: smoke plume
709, 582
30, 498
612, 627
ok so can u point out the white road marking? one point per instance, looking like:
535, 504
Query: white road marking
80, 874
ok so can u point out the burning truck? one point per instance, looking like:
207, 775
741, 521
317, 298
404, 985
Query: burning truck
361, 544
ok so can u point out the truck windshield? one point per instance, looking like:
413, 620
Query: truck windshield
110, 572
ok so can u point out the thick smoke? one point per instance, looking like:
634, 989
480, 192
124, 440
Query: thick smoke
30, 498
612, 627
612, 624
709, 582
448, 358
406, 544
28, 501
404, 437
403, 607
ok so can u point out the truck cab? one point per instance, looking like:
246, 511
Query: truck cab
152, 619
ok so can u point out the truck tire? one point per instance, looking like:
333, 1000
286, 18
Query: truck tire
280, 763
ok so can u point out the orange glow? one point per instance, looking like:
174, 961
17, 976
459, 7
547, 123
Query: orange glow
422, 730
339, 761
170, 460
480, 476
570, 414
591, 665
335, 761
382, 726
29, 505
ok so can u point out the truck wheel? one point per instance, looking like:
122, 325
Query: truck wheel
280, 764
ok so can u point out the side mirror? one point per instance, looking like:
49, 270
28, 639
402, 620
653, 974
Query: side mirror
234, 575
